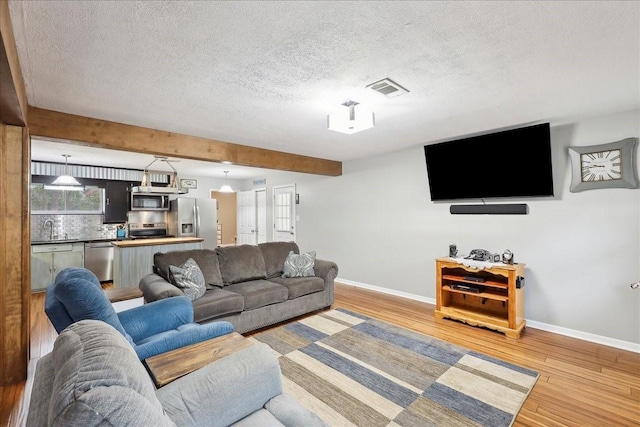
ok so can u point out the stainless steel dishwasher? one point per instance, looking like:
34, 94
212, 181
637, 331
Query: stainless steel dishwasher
98, 258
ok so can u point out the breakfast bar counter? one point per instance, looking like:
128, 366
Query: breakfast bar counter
133, 259
155, 242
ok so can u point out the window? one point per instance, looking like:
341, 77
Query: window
89, 201
283, 212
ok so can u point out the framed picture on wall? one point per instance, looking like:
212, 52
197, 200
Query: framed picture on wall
189, 183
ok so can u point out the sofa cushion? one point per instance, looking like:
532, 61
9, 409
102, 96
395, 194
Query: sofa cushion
258, 293
206, 259
100, 381
189, 278
299, 265
240, 263
299, 286
274, 254
217, 302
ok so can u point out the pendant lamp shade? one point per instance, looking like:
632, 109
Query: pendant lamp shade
226, 188
66, 179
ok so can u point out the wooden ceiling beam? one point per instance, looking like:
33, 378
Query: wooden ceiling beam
118, 136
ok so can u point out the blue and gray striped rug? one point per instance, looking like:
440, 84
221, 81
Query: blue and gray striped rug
353, 370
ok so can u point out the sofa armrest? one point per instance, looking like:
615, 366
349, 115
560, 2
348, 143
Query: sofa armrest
156, 317
224, 391
291, 413
327, 270
154, 287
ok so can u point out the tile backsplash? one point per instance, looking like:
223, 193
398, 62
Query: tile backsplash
72, 227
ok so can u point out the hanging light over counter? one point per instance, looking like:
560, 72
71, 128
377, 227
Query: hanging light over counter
66, 180
225, 188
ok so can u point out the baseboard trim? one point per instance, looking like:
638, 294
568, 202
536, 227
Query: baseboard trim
585, 336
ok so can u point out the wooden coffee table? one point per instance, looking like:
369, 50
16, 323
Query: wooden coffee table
169, 366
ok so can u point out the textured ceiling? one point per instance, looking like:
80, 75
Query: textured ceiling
267, 73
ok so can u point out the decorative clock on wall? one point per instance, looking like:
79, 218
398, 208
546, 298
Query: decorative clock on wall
609, 165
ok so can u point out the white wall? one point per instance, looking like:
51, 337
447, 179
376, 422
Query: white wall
581, 250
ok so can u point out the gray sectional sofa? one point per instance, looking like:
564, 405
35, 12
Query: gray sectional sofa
244, 284
93, 377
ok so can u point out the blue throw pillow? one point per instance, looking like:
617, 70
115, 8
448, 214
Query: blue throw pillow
299, 265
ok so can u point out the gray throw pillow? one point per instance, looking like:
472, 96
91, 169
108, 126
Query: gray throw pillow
299, 265
189, 278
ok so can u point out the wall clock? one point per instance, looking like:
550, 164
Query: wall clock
611, 165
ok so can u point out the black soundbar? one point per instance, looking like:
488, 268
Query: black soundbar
502, 209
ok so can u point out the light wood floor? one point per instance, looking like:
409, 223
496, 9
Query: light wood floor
581, 383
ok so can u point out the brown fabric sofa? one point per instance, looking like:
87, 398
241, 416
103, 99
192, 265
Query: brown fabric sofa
244, 284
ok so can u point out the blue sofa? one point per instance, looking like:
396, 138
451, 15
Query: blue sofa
151, 329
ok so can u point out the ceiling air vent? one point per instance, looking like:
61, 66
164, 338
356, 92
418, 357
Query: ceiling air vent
388, 88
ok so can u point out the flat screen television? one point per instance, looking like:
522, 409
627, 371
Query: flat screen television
511, 163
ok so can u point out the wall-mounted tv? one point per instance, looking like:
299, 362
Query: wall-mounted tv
511, 163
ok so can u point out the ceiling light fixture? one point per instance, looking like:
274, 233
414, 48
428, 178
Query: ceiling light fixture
66, 179
351, 119
225, 188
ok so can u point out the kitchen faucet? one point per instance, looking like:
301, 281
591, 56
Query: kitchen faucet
44, 225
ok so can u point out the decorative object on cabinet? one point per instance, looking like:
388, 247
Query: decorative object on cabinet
507, 257
609, 165
453, 251
492, 297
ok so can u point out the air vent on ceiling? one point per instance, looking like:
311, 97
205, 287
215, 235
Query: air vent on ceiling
388, 88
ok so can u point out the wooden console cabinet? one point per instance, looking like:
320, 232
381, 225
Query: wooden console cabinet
496, 302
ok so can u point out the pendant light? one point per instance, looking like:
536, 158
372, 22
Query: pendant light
225, 188
66, 179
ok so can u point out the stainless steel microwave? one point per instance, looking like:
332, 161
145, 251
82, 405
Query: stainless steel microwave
149, 202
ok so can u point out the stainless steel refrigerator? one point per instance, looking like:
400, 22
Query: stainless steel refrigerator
189, 217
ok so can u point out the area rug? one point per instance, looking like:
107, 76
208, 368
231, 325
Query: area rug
353, 370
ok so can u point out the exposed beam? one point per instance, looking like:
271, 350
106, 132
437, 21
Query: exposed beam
15, 253
118, 136
13, 96
15, 231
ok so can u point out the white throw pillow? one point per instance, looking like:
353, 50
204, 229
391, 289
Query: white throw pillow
189, 278
299, 265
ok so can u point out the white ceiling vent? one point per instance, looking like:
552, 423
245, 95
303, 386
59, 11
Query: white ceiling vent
388, 88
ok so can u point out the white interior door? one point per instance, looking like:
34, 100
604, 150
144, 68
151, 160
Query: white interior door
261, 214
246, 202
284, 213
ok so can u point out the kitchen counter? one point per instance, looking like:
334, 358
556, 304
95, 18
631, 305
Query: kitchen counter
133, 259
61, 241
154, 242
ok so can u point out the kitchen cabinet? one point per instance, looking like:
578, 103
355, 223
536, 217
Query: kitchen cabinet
48, 260
116, 201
